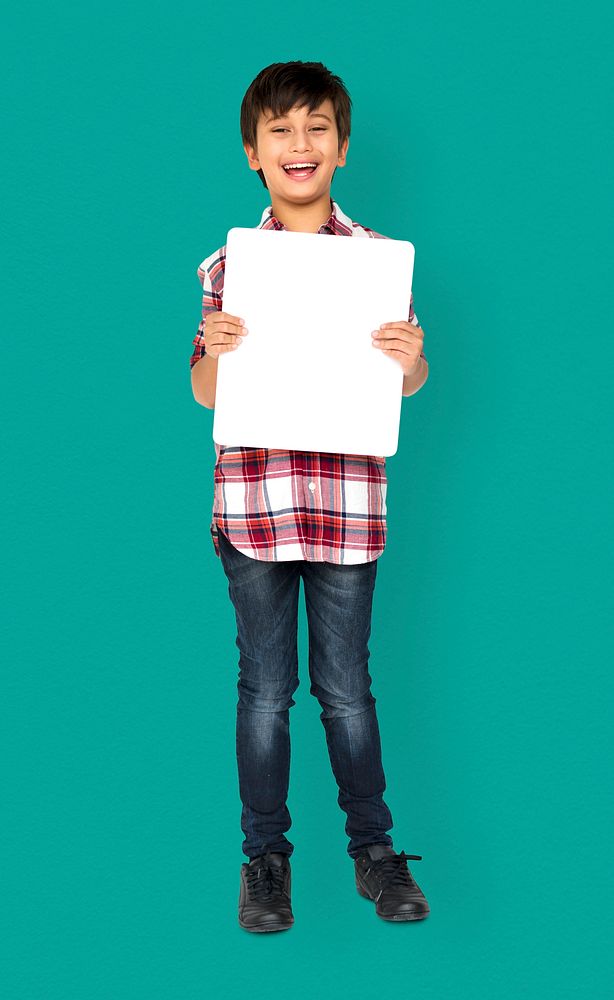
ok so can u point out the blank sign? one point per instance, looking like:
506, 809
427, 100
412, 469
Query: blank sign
307, 377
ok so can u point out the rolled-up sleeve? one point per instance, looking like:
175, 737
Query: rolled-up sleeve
211, 276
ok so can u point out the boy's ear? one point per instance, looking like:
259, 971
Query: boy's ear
343, 152
254, 162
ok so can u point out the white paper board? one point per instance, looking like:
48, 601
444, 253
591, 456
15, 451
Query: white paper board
307, 377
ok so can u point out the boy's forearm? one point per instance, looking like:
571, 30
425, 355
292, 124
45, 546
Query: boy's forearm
204, 379
415, 381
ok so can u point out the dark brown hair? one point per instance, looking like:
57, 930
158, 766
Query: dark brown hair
282, 86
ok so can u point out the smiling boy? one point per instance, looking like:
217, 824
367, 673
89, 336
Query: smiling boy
282, 516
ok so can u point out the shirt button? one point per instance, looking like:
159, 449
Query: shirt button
312, 486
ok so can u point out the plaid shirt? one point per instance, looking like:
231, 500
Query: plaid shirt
277, 505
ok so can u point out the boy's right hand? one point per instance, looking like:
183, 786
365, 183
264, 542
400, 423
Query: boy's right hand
223, 332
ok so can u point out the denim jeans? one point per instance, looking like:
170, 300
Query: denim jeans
338, 602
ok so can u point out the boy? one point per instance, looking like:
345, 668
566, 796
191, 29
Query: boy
280, 516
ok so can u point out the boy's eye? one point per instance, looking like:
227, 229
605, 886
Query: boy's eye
316, 128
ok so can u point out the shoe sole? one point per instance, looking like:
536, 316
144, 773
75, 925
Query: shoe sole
266, 928
393, 916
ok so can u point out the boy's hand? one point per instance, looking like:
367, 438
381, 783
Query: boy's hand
223, 332
402, 341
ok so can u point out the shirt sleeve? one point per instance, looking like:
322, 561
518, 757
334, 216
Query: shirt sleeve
414, 319
212, 300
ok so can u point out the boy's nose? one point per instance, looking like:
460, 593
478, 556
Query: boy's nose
302, 143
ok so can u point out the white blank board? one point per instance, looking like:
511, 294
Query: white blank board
307, 377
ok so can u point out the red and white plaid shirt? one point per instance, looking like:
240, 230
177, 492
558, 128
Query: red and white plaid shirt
277, 505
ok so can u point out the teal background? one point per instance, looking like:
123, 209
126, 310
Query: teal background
483, 134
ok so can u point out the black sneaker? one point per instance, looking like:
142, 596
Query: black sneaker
264, 899
383, 876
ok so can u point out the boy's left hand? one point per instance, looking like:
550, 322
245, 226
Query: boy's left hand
402, 341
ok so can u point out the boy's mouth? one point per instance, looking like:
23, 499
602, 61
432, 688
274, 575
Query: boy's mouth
301, 170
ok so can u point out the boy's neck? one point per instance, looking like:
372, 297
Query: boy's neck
303, 218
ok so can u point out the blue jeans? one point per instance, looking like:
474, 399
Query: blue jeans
338, 601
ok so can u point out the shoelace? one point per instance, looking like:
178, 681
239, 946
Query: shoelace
266, 879
392, 870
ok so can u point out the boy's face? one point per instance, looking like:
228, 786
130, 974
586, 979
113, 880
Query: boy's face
299, 136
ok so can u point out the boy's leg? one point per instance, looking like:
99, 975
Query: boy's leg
339, 601
265, 598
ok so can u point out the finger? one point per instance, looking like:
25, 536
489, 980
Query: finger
222, 349
413, 334
219, 313
394, 343
389, 337
395, 333
214, 319
221, 326
216, 339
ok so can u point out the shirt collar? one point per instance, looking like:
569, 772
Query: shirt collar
337, 224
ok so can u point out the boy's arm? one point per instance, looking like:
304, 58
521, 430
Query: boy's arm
411, 383
415, 381
203, 367
204, 381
